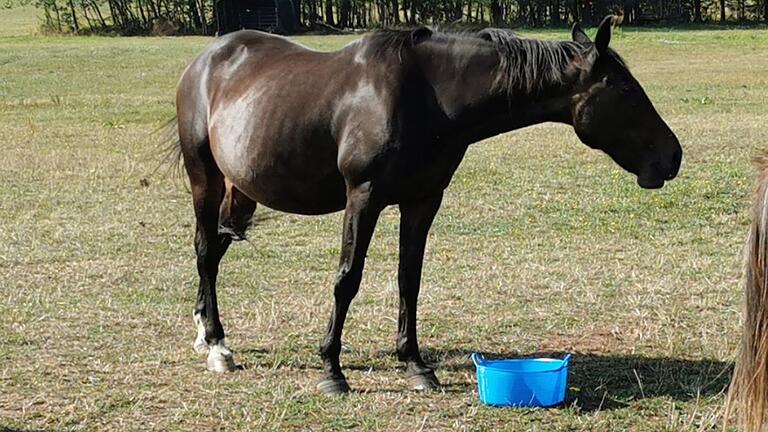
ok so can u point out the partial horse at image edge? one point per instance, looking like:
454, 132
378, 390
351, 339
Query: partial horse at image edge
748, 394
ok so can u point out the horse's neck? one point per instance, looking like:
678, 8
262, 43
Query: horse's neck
461, 76
475, 101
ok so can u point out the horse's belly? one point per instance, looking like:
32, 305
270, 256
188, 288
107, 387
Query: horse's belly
299, 179
295, 193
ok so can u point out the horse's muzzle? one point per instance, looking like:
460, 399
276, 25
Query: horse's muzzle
649, 182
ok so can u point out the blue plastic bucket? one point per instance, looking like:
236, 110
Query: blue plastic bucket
540, 382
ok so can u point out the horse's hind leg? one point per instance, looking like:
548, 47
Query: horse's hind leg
207, 184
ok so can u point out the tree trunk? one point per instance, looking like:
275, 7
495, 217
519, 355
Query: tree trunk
58, 15
395, 12
141, 12
556, 12
113, 13
48, 17
312, 13
344, 12
697, 11
481, 11
369, 16
575, 10
722, 11
194, 15
125, 7
329, 12
98, 14
203, 19
469, 10
153, 10
85, 15
75, 26
495, 12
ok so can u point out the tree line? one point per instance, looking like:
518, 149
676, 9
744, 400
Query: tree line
198, 16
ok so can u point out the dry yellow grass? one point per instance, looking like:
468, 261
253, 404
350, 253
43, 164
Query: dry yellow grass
542, 245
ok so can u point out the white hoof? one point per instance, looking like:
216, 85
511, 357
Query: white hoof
200, 345
220, 358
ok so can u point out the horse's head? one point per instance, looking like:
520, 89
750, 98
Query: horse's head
612, 113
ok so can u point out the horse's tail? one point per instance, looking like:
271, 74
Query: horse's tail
167, 137
748, 393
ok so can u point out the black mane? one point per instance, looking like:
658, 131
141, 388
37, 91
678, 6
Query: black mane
527, 65
530, 64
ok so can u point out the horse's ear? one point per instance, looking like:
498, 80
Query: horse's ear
603, 37
578, 35
420, 35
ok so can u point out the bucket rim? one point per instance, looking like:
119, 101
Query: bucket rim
480, 362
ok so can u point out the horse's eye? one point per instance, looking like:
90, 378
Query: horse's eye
626, 89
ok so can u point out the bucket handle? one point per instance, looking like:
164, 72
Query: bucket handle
477, 358
567, 359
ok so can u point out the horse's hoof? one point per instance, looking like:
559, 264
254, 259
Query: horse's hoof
220, 359
424, 381
333, 386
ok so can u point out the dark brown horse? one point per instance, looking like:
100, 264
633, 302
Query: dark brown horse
384, 121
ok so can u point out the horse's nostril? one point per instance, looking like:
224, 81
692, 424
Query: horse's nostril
677, 159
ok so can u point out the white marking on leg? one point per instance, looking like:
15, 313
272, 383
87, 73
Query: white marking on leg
220, 358
200, 345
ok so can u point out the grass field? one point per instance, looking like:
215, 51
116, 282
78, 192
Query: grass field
542, 245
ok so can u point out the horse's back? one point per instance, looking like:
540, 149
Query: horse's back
244, 49
255, 40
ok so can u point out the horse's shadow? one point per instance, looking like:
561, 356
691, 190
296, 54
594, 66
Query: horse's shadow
596, 381
13, 429
611, 381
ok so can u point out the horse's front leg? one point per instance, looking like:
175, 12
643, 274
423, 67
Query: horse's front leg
415, 221
360, 218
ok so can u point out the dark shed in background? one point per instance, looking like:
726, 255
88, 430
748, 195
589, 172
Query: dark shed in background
275, 16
